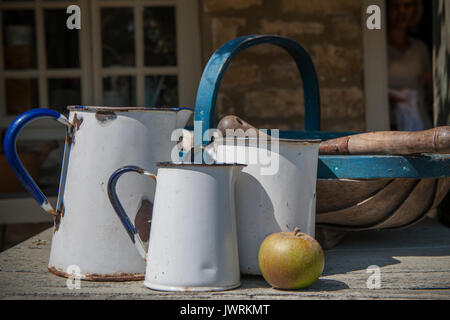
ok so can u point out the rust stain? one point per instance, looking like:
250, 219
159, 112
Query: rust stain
57, 217
39, 242
53, 212
105, 116
63, 209
76, 124
56, 222
116, 277
140, 171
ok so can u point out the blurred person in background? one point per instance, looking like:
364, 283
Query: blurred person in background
409, 68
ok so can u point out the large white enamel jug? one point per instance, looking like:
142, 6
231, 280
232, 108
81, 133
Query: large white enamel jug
88, 239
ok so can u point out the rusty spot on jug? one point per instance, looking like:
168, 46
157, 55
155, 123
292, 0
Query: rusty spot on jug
57, 217
116, 277
63, 209
76, 124
143, 219
105, 117
56, 222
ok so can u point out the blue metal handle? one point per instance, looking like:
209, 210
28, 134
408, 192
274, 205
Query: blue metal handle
218, 63
118, 208
11, 153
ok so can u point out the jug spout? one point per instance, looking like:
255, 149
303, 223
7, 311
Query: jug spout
183, 116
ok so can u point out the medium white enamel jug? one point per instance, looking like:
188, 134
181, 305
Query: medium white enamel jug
265, 203
193, 239
275, 192
87, 237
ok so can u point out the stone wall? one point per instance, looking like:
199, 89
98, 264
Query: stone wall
262, 84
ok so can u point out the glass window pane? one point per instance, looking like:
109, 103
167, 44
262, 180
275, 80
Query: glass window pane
161, 91
119, 91
21, 95
19, 39
64, 92
61, 43
160, 36
117, 37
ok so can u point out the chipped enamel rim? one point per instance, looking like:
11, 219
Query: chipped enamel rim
160, 287
124, 109
193, 164
118, 277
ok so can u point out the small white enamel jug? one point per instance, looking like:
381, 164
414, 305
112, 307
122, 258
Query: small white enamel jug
87, 238
193, 238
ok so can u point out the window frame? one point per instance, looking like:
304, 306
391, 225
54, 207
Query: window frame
91, 71
41, 72
375, 71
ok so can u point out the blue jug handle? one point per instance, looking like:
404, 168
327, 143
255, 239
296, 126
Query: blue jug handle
220, 60
120, 211
13, 159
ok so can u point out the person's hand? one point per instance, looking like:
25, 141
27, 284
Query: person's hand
396, 96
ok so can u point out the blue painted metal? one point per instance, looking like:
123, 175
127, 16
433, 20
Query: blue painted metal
11, 153
220, 60
375, 167
330, 167
115, 202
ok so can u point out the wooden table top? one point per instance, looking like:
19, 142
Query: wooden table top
414, 264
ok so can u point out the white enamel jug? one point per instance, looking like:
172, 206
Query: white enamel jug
266, 203
276, 191
87, 237
193, 239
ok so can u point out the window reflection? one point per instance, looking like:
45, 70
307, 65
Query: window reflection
161, 91
19, 39
117, 25
160, 36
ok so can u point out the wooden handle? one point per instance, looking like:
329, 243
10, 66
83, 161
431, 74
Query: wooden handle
435, 140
